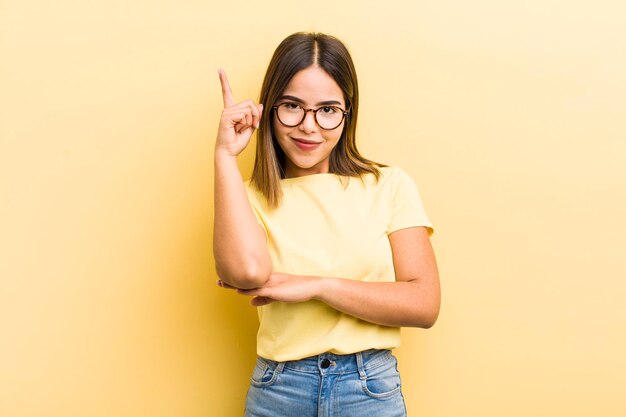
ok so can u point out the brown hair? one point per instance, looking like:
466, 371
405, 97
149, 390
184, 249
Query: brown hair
295, 53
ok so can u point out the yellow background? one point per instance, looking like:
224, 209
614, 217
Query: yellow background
509, 115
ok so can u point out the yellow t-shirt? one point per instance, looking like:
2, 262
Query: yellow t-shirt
328, 225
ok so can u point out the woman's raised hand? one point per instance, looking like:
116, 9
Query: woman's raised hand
238, 121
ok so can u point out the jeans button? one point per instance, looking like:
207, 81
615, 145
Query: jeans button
325, 364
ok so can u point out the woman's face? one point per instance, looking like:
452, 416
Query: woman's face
307, 146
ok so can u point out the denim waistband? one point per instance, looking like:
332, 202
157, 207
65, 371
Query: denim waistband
332, 363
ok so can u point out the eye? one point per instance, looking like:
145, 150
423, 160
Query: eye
329, 110
291, 106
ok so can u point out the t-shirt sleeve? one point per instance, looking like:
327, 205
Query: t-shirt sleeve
407, 208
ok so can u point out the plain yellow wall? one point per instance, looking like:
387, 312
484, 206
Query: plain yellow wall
509, 115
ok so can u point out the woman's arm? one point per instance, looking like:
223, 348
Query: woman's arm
239, 243
413, 300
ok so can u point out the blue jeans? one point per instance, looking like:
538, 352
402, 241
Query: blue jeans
363, 384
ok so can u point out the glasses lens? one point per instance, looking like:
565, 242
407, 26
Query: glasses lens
329, 117
290, 114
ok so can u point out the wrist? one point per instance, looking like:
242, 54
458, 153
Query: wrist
224, 156
322, 287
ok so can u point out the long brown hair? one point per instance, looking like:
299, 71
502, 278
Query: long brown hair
295, 53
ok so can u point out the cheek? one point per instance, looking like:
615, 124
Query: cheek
279, 130
280, 133
334, 135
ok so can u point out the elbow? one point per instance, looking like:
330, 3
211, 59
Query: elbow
427, 310
431, 314
429, 321
245, 276
252, 277
425, 318
422, 305
245, 269
425, 321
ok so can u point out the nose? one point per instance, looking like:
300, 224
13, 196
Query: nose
308, 125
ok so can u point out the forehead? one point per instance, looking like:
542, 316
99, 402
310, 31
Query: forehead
313, 85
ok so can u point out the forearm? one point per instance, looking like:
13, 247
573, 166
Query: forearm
413, 299
239, 243
413, 303
388, 303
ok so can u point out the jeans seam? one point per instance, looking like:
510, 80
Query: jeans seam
276, 371
377, 363
379, 396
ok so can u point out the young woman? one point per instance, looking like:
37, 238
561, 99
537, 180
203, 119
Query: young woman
333, 248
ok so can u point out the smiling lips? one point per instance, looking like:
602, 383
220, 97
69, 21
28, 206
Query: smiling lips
305, 144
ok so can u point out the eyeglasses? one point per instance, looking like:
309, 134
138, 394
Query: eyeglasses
326, 117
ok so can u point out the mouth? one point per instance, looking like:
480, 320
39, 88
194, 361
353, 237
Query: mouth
306, 144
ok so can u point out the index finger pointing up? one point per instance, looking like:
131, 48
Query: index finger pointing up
227, 93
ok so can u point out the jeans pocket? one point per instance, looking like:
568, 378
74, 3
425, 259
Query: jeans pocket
264, 373
382, 381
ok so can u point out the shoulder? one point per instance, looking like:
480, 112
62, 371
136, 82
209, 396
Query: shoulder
393, 171
390, 181
402, 186
393, 176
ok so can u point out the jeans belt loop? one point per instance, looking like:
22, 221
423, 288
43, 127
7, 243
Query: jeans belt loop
359, 364
279, 367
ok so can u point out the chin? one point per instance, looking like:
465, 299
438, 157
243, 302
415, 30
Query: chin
308, 167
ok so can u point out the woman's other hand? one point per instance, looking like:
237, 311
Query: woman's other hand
288, 288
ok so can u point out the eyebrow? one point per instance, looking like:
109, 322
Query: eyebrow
321, 103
